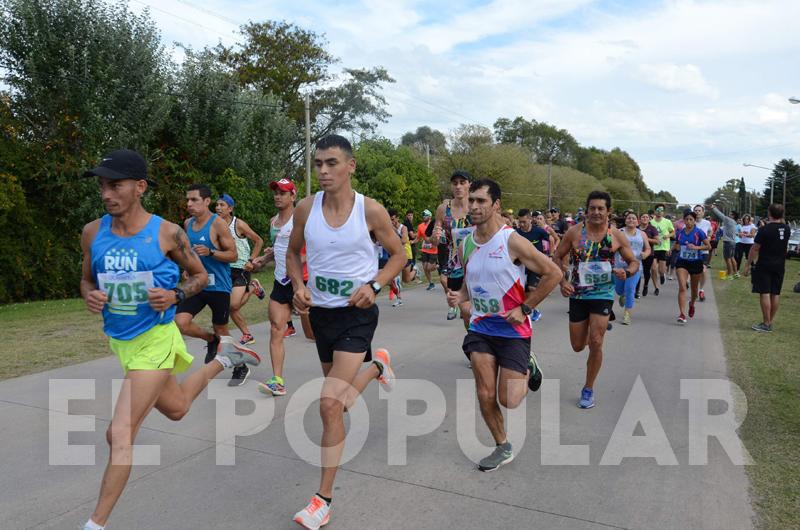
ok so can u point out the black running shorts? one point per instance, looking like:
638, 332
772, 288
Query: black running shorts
532, 279
511, 354
454, 284
580, 309
443, 256
218, 301
427, 257
692, 267
240, 278
283, 294
348, 329
660, 255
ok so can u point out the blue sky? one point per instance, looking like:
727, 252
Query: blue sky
691, 89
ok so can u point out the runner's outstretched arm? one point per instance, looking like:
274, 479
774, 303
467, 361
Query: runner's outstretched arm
560, 257
249, 233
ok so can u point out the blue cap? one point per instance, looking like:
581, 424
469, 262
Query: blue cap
228, 199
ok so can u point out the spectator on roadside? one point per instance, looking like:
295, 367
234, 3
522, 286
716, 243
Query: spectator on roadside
559, 224
769, 255
729, 235
746, 235
408, 222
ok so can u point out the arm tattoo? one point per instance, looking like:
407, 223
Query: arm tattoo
181, 239
185, 253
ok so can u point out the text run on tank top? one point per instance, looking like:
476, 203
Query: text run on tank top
458, 230
496, 286
125, 268
242, 247
340, 260
280, 245
637, 246
219, 273
592, 274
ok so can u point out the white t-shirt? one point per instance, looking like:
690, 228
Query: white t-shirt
746, 230
704, 225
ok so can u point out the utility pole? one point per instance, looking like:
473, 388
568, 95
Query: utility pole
428, 155
308, 144
784, 191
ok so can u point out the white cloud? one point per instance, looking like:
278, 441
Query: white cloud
676, 78
668, 82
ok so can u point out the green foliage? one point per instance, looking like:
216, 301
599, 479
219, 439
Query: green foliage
393, 176
792, 170
546, 142
284, 61
425, 140
36, 259
279, 59
215, 124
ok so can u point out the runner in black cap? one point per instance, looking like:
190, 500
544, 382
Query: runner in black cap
132, 263
453, 223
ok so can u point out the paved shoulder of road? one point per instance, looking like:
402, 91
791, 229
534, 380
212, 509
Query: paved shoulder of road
634, 461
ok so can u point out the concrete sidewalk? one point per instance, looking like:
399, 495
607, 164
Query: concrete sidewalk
439, 487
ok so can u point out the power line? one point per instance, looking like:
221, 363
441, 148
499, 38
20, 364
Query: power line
212, 13
184, 19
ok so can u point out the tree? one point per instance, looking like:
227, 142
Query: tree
425, 140
285, 61
792, 171
546, 142
216, 125
468, 137
393, 176
83, 77
742, 196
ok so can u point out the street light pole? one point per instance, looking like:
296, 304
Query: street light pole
771, 181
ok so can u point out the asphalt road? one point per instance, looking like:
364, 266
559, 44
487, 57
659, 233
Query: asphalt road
569, 471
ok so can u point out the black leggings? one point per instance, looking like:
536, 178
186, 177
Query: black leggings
742, 251
647, 264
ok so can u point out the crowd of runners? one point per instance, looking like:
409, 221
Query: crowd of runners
336, 250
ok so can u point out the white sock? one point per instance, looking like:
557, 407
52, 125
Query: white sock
91, 525
224, 361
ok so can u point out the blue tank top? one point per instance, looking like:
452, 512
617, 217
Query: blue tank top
219, 273
124, 268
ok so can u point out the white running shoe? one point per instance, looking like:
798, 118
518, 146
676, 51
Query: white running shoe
315, 515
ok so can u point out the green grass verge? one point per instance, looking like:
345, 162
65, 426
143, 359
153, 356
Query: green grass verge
39, 336
767, 368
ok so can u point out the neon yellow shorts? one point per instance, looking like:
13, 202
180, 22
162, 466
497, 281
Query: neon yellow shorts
156, 349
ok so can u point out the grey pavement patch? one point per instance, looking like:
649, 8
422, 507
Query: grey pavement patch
439, 487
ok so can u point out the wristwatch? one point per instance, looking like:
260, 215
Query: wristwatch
627, 273
180, 296
526, 310
376, 287
211, 252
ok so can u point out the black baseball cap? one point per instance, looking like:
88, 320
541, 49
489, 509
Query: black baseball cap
555, 210
461, 174
121, 164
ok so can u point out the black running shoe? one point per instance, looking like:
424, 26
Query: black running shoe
644, 290
663, 279
211, 352
656, 292
535, 378
239, 376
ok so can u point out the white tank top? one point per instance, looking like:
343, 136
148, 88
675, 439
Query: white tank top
242, 247
279, 248
340, 260
496, 286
